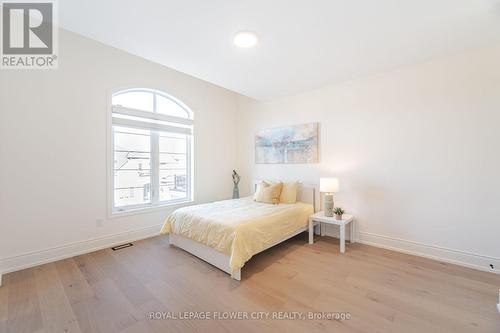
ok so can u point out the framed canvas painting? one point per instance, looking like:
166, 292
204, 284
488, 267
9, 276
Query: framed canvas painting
287, 145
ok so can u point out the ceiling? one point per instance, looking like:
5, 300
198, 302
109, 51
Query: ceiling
303, 44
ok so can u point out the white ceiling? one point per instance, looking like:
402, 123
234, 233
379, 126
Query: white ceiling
303, 44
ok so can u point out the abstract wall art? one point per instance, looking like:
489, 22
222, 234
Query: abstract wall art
287, 145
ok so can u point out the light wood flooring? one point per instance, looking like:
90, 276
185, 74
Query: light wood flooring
383, 291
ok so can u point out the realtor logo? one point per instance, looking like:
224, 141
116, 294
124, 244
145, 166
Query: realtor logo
28, 35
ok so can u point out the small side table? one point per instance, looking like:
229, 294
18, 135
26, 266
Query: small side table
346, 219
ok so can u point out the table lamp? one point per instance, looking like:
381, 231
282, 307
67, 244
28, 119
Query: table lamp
329, 186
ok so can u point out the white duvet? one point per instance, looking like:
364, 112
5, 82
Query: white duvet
239, 227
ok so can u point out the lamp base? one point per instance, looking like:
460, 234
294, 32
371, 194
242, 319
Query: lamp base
329, 205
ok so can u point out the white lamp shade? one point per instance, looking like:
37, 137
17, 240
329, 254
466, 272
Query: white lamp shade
328, 185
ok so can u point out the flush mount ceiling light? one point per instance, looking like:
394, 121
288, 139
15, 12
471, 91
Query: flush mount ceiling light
245, 39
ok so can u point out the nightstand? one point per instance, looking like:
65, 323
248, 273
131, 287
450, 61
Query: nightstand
346, 219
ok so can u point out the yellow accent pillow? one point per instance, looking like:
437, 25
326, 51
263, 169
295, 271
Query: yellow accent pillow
268, 192
289, 193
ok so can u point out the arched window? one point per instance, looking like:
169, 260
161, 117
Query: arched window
151, 143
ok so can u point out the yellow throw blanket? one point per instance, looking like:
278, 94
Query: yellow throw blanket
239, 228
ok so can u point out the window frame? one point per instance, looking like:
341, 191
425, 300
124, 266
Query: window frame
186, 126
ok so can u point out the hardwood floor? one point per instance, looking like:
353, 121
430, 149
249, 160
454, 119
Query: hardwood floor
383, 291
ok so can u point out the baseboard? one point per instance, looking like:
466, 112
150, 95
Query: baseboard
462, 258
457, 257
31, 259
333, 231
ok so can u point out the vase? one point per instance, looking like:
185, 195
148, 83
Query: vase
236, 192
338, 217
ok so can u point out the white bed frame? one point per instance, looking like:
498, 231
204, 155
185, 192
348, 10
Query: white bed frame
220, 260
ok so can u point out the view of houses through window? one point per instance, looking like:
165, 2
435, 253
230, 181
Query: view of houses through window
151, 151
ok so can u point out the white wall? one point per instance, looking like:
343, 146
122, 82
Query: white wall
417, 151
53, 150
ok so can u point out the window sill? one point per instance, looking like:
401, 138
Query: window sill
144, 210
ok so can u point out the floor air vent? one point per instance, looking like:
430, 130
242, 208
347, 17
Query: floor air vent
123, 246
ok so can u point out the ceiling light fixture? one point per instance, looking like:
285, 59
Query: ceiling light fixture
245, 39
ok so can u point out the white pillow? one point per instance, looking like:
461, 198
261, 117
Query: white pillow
289, 192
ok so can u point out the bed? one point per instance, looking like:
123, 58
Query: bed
228, 233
